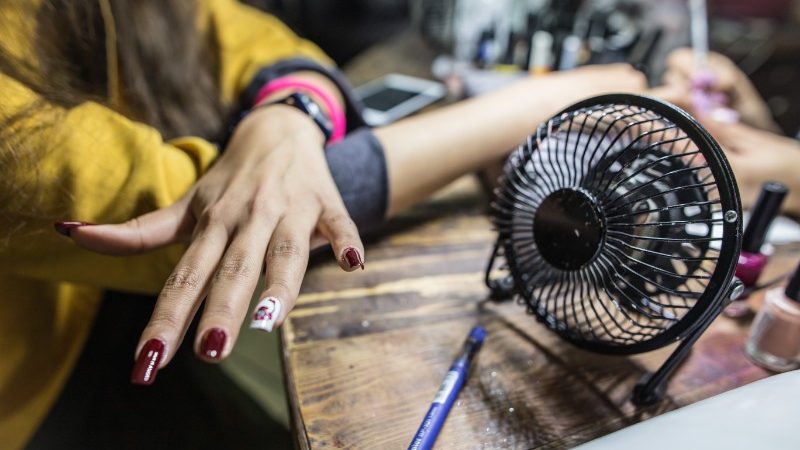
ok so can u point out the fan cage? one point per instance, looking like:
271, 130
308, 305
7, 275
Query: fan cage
668, 224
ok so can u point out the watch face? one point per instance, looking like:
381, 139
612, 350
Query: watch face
306, 104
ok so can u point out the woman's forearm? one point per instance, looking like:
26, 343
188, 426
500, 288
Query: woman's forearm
426, 152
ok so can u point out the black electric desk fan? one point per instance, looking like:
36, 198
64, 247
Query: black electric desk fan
619, 227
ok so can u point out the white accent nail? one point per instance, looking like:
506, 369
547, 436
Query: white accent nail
266, 314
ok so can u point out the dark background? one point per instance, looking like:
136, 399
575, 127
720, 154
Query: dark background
343, 28
764, 41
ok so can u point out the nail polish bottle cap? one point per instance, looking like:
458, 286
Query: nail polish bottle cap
793, 288
762, 215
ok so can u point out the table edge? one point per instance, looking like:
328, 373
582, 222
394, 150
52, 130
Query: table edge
298, 427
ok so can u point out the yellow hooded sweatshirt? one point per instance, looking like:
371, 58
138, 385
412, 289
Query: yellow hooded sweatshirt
103, 168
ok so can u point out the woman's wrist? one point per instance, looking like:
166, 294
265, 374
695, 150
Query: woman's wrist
279, 121
326, 101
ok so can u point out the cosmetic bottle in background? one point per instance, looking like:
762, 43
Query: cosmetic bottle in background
570, 52
486, 50
774, 341
541, 53
751, 260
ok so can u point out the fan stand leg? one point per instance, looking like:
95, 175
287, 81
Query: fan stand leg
500, 289
650, 388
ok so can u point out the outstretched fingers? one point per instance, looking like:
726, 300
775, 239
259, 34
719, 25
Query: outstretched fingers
177, 304
232, 288
340, 230
286, 262
147, 232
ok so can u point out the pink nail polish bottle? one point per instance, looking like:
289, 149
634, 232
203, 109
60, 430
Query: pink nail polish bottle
774, 341
751, 260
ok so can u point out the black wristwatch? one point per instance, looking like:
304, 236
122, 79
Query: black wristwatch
311, 108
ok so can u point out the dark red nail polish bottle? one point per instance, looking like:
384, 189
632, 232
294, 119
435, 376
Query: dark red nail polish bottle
751, 261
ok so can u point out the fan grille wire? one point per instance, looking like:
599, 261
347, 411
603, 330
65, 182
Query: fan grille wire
661, 218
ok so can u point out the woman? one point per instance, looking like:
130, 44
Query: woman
110, 113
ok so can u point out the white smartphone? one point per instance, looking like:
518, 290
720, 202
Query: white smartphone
395, 96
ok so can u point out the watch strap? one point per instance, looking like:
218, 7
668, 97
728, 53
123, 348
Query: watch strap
309, 107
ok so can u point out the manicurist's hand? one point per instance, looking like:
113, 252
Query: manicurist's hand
728, 80
261, 204
757, 156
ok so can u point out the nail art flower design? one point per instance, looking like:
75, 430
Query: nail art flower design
266, 314
263, 313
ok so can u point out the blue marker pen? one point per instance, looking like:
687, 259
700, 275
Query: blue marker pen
448, 391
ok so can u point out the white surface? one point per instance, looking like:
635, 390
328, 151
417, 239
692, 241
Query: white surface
783, 231
764, 415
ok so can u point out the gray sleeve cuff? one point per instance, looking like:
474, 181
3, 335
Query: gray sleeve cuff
358, 166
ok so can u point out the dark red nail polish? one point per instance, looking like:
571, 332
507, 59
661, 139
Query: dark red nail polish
146, 367
353, 258
213, 344
65, 228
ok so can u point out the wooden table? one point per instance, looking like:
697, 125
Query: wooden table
365, 352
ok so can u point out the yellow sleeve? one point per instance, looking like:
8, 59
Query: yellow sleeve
91, 164
248, 40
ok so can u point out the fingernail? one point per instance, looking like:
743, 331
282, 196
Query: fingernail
353, 258
213, 343
266, 314
146, 367
65, 228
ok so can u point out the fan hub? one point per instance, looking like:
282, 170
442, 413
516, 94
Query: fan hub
569, 228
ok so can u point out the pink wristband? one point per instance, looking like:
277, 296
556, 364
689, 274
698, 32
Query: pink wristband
336, 112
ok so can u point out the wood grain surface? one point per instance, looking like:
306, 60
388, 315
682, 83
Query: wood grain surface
365, 352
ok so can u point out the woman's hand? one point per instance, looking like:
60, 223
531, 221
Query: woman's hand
260, 205
728, 80
757, 156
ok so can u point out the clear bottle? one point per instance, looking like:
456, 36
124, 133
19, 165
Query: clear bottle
774, 341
